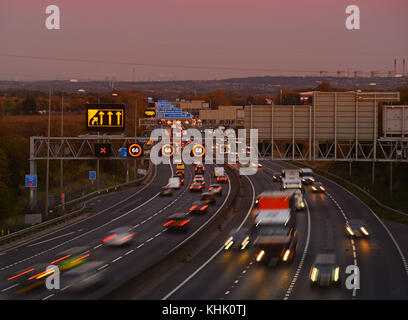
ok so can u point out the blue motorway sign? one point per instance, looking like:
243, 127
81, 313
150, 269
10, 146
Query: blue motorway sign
123, 152
92, 175
31, 180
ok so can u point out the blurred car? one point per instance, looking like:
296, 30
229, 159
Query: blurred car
199, 207
199, 178
180, 177
180, 166
318, 187
215, 189
208, 197
180, 173
325, 270
30, 279
196, 186
177, 222
222, 179
356, 228
166, 191
71, 258
277, 176
119, 237
174, 182
85, 277
238, 239
199, 169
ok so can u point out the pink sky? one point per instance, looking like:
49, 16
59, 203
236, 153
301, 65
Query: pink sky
259, 34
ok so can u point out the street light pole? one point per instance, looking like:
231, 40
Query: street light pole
48, 156
135, 137
62, 161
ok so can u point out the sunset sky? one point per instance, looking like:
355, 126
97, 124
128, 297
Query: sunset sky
260, 37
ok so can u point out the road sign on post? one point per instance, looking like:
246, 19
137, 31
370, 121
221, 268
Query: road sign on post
135, 150
92, 175
105, 117
31, 180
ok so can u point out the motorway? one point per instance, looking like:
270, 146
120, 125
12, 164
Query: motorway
213, 273
232, 275
144, 210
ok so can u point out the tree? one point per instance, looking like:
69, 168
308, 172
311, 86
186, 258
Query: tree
29, 105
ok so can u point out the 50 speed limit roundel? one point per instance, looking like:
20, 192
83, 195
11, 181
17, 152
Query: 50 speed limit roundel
135, 150
198, 150
168, 150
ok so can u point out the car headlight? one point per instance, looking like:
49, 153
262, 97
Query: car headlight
229, 243
350, 231
314, 188
260, 255
286, 255
313, 275
336, 274
363, 230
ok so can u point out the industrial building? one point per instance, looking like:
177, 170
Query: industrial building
227, 116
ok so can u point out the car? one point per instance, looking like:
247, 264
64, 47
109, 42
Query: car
180, 173
177, 222
166, 191
31, 279
199, 178
238, 239
174, 182
356, 228
318, 187
196, 186
199, 169
222, 179
307, 176
85, 277
180, 166
180, 177
199, 207
277, 176
215, 189
71, 258
119, 237
325, 271
208, 197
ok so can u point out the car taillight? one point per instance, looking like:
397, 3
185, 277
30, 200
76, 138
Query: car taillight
205, 207
192, 208
110, 237
183, 223
169, 223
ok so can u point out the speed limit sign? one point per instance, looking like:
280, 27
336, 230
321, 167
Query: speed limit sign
198, 150
168, 150
135, 150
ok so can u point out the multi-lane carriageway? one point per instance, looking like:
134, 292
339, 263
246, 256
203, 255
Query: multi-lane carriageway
211, 272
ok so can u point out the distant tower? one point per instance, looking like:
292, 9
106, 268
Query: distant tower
395, 65
404, 70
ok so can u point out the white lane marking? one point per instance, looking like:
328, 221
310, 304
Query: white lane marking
139, 246
99, 245
217, 252
81, 235
129, 252
11, 287
51, 295
300, 266
64, 235
117, 259
208, 221
404, 261
103, 267
97, 214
